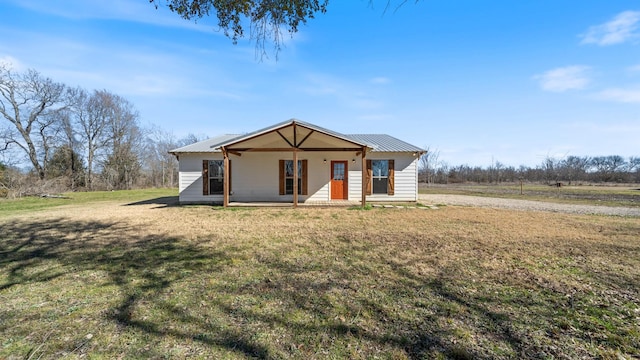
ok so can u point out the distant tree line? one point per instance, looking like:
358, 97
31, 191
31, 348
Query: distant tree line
569, 170
75, 139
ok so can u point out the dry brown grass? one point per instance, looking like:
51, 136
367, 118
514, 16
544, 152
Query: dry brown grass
152, 281
625, 195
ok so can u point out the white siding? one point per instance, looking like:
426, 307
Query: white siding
355, 179
320, 179
406, 177
190, 178
254, 176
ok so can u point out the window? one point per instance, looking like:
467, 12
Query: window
338, 170
286, 177
213, 177
380, 179
216, 177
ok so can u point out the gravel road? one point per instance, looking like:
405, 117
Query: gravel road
526, 205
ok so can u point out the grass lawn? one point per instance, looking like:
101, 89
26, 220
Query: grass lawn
619, 195
125, 277
34, 203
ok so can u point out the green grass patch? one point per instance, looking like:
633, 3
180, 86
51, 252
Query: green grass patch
34, 203
358, 207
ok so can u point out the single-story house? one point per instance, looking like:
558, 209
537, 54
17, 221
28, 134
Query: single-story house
295, 162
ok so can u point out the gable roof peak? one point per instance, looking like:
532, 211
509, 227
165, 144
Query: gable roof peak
286, 124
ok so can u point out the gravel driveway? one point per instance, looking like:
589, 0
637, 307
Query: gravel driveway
526, 205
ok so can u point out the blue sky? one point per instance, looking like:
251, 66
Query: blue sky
480, 81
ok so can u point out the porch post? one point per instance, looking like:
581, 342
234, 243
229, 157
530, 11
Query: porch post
295, 178
364, 177
225, 181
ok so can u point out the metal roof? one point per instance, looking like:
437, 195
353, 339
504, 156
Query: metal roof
289, 123
205, 146
377, 142
385, 143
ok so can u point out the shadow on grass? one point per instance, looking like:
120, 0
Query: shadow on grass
162, 202
235, 299
148, 270
143, 268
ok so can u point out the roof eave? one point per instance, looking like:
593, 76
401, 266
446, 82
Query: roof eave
283, 125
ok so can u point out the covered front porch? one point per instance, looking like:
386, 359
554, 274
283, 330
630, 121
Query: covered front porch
308, 158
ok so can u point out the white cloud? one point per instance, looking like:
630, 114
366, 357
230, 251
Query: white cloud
12, 63
141, 12
620, 95
565, 78
350, 94
623, 27
619, 129
321, 85
634, 69
380, 80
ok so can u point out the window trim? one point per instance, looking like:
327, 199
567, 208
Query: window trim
303, 168
390, 177
287, 178
219, 178
375, 177
206, 178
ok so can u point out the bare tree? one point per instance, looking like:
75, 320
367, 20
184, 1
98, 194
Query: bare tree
11, 180
633, 167
162, 166
633, 164
28, 103
122, 164
4, 188
608, 166
64, 160
574, 168
429, 164
442, 173
92, 116
549, 169
497, 169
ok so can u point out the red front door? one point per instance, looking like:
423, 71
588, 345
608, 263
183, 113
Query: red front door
339, 189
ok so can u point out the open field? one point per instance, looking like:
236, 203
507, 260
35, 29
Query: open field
135, 277
627, 195
527, 205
